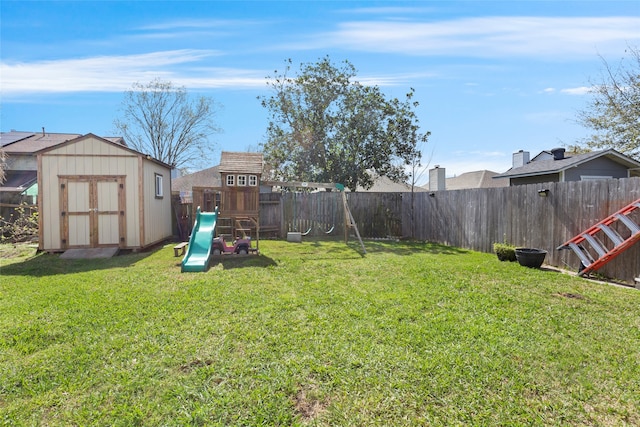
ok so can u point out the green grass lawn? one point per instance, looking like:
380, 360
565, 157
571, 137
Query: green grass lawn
314, 334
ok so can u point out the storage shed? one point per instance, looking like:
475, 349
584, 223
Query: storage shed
99, 193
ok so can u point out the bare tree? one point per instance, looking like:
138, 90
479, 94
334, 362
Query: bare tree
614, 110
3, 166
161, 119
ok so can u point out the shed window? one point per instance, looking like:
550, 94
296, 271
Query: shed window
253, 180
231, 180
159, 190
242, 180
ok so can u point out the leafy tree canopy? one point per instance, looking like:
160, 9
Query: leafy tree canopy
614, 111
327, 127
161, 119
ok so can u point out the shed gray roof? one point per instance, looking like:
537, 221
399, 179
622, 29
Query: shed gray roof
234, 162
544, 167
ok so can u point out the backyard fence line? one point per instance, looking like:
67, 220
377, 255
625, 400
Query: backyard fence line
520, 215
471, 219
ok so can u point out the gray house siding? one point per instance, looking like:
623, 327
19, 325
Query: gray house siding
552, 177
600, 166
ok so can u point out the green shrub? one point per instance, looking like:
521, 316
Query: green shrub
504, 251
21, 226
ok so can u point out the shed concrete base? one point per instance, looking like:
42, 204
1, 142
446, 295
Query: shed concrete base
89, 253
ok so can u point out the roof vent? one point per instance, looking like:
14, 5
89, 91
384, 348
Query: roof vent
558, 153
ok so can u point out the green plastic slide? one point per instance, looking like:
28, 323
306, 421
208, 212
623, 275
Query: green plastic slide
199, 250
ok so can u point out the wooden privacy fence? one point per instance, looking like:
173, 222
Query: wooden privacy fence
321, 213
472, 219
312, 214
477, 218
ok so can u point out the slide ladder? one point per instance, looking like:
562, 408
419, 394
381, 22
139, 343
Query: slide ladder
199, 250
594, 238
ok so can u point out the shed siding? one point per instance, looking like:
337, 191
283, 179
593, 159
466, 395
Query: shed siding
157, 211
50, 203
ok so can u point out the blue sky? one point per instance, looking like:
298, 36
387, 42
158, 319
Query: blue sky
492, 77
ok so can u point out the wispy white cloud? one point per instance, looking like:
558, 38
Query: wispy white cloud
522, 36
505, 37
194, 29
393, 80
582, 90
118, 73
191, 24
402, 11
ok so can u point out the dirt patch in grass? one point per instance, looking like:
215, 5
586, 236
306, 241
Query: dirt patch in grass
307, 403
570, 295
195, 364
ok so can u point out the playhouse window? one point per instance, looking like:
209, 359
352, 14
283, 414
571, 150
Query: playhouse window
242, 180
231, 180
159, 191
253, 180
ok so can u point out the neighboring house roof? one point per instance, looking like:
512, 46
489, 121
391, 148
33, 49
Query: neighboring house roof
234, 162
7, 138
475, 179
30, 143
382, 184
204, 178
19, 181
546, 166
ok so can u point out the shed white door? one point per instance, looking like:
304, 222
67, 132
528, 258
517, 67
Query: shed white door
92, 211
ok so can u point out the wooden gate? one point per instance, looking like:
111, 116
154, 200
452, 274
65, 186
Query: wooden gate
92, 211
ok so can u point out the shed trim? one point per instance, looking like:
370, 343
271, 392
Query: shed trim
40, 204
141, 198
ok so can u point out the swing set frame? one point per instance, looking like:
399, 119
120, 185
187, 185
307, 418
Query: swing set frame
349, 221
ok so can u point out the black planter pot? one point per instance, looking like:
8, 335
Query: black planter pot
532, 258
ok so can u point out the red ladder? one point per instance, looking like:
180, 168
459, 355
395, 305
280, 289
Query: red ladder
590, 236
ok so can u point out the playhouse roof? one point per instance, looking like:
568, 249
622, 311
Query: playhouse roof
235, 162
